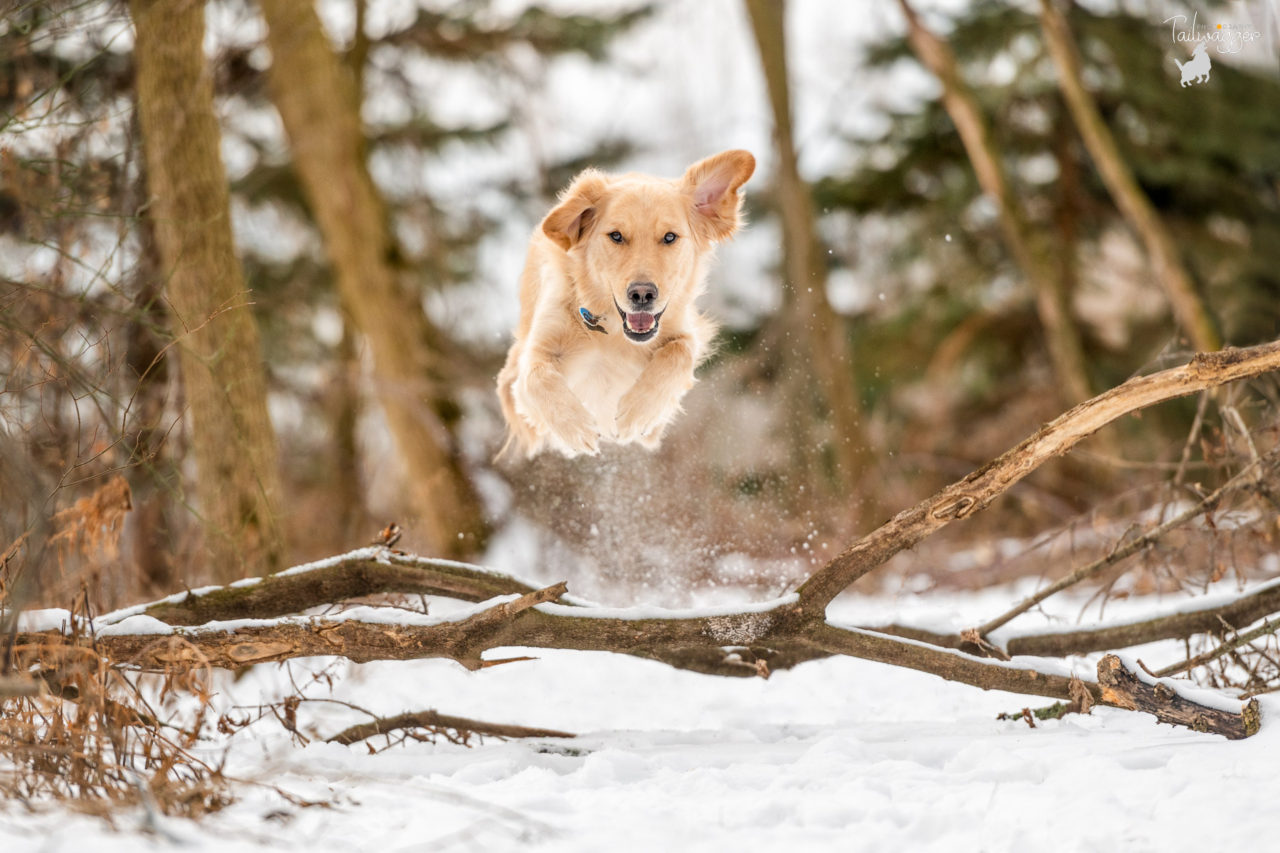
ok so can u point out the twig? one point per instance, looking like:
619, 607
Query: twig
1193, 436
1245, 477
1242, 610
1232, 416
1267, 627
434, 720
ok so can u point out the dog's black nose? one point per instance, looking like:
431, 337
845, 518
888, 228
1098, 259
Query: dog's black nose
642, 294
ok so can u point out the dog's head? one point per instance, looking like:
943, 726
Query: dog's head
640, 243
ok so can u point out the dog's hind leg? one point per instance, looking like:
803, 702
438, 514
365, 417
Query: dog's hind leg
519, 434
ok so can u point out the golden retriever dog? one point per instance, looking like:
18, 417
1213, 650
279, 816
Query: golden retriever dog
609, 333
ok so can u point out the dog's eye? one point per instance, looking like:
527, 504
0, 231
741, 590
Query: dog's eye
615, 236
670, 237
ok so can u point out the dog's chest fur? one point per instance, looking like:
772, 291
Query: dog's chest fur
600, 382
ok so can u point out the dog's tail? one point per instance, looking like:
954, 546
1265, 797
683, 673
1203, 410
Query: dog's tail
1179, 64
504, 453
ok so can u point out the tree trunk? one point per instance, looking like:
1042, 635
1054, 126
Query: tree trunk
1062, 337
154, 472
320, 107
815, 346
1188, 308
219, 354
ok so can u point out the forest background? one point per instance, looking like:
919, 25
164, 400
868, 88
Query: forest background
258, 270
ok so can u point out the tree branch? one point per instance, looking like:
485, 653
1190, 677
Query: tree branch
1224, 648
367, 571
1209, 618
976, 491
434, 720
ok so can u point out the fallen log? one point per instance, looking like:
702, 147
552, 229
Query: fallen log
1126, 688
727, 641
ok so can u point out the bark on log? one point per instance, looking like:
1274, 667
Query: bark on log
1124, 689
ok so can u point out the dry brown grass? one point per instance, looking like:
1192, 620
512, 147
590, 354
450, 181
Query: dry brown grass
76, 727
98, 737
92, 525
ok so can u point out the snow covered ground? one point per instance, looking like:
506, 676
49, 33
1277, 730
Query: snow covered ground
834, 755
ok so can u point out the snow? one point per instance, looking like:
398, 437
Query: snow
837, 754
51, 619
136, 624
709, 611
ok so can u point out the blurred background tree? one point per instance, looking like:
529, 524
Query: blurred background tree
881, 334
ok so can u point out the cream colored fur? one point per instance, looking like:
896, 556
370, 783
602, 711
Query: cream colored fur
568, 387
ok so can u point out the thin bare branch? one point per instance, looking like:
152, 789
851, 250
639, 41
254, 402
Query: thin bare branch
434, 720
1242, 480
1267, 627
1243, 610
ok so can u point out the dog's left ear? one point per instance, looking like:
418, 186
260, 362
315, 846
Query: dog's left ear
713, 183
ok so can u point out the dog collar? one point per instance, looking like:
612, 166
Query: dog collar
592, 321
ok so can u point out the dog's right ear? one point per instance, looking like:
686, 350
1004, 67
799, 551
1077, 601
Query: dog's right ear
571, 218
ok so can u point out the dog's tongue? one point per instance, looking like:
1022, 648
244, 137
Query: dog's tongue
640, 322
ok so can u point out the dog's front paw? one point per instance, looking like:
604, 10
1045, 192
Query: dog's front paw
643, 417
575, 436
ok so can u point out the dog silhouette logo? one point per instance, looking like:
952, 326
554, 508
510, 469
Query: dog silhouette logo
1196, 69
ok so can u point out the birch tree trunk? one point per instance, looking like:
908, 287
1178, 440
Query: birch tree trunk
219, 351
320, 107
816, 344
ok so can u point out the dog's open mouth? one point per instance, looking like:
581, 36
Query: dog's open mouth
639, 326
